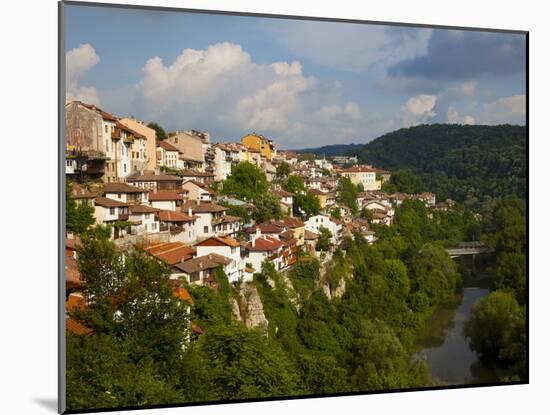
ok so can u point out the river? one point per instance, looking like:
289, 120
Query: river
444, 347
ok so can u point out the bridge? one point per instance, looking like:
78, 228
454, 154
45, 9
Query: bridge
468, 248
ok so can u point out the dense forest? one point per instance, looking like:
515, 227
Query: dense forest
470, 164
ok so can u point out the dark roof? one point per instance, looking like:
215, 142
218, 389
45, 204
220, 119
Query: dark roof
266, 227
310, 235
202, 263
149, 176
195, 173
142, 209
105, 202
121, 188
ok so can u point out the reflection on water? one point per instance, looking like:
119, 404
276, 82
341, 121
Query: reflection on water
443, 345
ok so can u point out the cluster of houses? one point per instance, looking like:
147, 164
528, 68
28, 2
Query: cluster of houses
159, 194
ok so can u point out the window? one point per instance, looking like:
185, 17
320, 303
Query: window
111, 211
120, 196
206, 229
106, 128
124, 167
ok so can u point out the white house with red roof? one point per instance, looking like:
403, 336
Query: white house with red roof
166, 199
315, 223
167, 155
198, 191
261, 248
225, 247
182, 227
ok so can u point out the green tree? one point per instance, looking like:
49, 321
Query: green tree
160, 133
246, 182
78, 218
406, 181
236, 210
496, 329
283, 170
267, 207
244, 364
347, 194
294, 185
324, 242
336, 213
308, 203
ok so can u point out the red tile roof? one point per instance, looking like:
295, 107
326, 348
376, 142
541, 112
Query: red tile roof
218, 240
202, 263
264, 243
171, 252
171, 216
359, 169
77, 328
167, 146
121, 188
164, 195
142, 209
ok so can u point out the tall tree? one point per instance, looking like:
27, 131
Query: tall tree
246, 182
160, 133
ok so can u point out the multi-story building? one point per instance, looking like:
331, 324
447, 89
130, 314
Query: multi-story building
192, 146
226, 247
167, 155
259, 142
149, 144
364, 175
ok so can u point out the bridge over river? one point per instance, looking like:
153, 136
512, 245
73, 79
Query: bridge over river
468, 248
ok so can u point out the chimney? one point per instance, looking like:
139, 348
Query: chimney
190, 211
258, 231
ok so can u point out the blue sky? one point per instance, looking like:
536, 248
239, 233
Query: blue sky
302, 83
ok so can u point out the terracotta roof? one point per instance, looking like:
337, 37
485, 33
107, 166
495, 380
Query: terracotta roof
287, 234
204, 207
291, 222
167, 146
310, 235
223, 240
142, 209
75, 302
171, 252
77, 328
359, 169
72, 275
104, 115
264, 243
227, 219
164, 195
129, 130
105, 202
171, 216
73, 243
121, 188
202, 263
266, 227
78, 192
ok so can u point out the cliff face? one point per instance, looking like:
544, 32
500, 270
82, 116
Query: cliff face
248, 307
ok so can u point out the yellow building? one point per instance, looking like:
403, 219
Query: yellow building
364, 175
259, 142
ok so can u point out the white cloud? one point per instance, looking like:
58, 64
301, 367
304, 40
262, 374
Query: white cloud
418, 109
78, 62
505, 110
453, 117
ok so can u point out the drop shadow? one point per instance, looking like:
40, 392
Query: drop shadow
48, 403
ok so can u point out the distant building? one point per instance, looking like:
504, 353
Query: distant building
260, 143
364, 175
343, 160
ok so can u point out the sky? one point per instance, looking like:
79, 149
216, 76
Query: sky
300, 83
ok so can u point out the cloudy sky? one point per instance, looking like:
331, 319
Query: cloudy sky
301, 83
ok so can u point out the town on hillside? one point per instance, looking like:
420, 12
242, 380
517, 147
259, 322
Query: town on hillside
199, 205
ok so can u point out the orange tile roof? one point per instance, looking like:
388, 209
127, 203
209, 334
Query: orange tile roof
182, 294
164, 195
75, 302
171, 252
264, 243
171, 216
223, 240
77, 328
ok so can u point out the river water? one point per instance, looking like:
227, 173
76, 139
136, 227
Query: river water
443, 345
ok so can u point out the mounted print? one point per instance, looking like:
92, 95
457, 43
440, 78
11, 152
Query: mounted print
261, 207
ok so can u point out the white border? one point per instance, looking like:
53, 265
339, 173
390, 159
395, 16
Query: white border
29, 211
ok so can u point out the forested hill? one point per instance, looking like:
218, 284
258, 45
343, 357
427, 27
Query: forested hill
459, 161
333, 150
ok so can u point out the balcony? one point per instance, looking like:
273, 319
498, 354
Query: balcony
123, 216
116, 134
